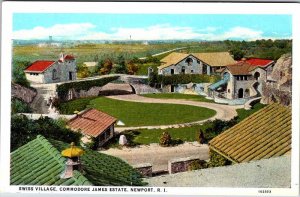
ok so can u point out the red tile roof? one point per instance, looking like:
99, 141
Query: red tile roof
39, 66
258, 62
69, 57
91, 122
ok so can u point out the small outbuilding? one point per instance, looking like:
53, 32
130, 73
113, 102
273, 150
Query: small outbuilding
48, 71
94, 123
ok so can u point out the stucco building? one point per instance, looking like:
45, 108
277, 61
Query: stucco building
243, 79
194, 63
45, 71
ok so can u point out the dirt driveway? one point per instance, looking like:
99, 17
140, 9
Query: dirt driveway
159, 156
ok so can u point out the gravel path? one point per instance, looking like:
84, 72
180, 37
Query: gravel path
159, 156
224, 112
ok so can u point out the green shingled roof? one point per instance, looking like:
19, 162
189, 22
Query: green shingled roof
39, 162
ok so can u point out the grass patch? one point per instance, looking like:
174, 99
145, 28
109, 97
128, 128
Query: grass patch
178, 96
75, 105
242, 113
141, 114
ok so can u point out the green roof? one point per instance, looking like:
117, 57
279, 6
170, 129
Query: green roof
39, 162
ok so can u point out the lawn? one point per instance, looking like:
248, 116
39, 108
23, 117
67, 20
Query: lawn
185, 134
140, 114
242, 113
178, 96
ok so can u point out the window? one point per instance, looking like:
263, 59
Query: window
183, 70
198, 61
189, 61
172, 71
54, 74
246, 77
228, 90
192, 71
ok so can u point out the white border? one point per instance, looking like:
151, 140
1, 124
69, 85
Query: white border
154, 8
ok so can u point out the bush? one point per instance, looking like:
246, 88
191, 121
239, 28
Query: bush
18, 106
184, 79
18, 75
200, 137
217, 160
24, 130
63, 89
165, 139
197, 164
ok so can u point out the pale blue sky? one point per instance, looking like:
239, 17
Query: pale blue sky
151, 27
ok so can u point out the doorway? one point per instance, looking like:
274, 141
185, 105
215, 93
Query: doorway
241, 93
70, 76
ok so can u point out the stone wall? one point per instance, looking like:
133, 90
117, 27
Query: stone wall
279, 86
181, 164
145, 169
25, 94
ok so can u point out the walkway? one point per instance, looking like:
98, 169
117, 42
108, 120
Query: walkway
149, 154
224, 112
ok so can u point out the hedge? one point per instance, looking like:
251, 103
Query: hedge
217, 160
187, 78
62, 90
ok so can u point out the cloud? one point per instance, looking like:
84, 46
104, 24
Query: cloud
242, 33
156, 32
62, 31
87, 31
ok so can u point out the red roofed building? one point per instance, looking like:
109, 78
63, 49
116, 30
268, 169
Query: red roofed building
258, 62
94, 123
44, 71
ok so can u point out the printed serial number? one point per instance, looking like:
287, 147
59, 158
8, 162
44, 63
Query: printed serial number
264, 191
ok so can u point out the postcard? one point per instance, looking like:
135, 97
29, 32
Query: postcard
150, 98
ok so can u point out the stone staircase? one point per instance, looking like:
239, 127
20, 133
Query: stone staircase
44, 91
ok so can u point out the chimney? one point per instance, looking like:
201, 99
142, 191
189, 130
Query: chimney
61, 57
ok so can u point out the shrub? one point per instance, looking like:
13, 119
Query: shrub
62, 90
24, 130
165, 139
197, 164
19, 106
200, 137
186, 78
18, 75
217, 159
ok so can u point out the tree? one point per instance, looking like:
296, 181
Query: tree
132, 68
83, 71
237, 53
18, 75
106, 67
24, 130
120, 67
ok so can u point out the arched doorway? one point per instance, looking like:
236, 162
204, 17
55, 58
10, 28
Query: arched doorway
256, 75
257, 87
241, 93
